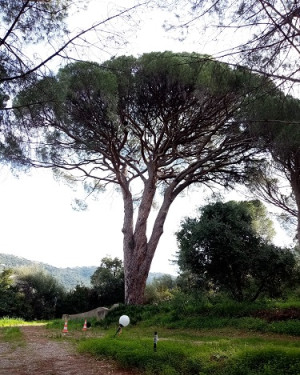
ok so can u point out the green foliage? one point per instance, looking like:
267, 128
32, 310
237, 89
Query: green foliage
160, 289
40, 293
226, 249
80, 299
10, 298
188, 311
291, 327
73, 324
221, 338
280, 136
266, 362
38, 20
23, 24
139, 354
108, 281
260, 222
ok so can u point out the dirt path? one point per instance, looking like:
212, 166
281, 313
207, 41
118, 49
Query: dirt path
42, 355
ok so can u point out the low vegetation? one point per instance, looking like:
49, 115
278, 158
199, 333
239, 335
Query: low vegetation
8, 322
210, 353
10, 332
198, 337
203, 328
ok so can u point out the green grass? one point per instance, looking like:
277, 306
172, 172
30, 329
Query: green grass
201, 338
195, 338
10, 331
7, 322
11, 334
10, 322
73, 325
232, 315
205, 353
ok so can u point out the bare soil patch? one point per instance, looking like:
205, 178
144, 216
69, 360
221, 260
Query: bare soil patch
44, 355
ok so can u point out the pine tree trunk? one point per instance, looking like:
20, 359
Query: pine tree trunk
138, 250
135, 282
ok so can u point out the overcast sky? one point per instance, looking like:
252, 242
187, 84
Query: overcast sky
38, 222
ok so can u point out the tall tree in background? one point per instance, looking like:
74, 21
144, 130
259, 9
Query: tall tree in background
156, 124
10, 299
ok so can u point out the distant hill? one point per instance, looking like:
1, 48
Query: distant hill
69, 277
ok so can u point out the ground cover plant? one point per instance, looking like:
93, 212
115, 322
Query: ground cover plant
225, 339
209, 352
200, 337
7, 322
11, 334
15, 322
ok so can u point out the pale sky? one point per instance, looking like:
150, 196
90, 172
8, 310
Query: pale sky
38, 223
37, 220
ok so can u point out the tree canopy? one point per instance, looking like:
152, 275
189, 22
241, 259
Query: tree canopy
23, 25
30, 293
33, 34
263, 36
148, 125
225, 247
27, 22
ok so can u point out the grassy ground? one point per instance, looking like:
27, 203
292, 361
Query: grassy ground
12, 335
221, 339
224, 339
208, 351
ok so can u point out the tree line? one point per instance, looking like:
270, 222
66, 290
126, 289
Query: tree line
32, 293
227, 251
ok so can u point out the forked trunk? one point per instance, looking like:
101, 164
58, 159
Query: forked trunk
135, 281
138, 250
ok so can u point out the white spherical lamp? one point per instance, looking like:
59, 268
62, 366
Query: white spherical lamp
124, 320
